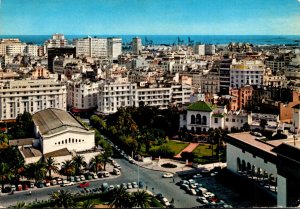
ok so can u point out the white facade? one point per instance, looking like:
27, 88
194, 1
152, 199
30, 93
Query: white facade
210, 49
199, 49
91, 47
58, 40
5, 42
31, 96
82, 95
246, 73
136, 45
112, 96
32, 50
15, 49
114, 47
181, 94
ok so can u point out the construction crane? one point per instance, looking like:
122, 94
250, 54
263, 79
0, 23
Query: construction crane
180, 42
191, 42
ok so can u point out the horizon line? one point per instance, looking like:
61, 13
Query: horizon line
152, 34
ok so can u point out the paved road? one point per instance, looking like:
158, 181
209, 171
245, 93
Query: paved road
130, 173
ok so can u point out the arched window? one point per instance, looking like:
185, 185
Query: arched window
79, 140
58, 142
238, 164
198, 119
193, 119
66, 141
76, 140
204, 120
69, 140
72, 140
62, 142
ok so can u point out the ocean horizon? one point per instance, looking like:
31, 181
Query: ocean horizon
175, 39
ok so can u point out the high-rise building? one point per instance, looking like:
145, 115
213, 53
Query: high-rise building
199, 49
32, 50
224, 69
114, 47
53, 52
210, 49
15, 49
91, 47
58, 40
136, 45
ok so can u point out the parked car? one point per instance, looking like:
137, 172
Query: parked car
82, 178
72, 178
141, 184
13, 188
77, 178
40, 185
25, 186
129, 185
47, 184
124, 185
185, 187
67, 184
202, 200
192, 191
104, 186
135, 185
94, 175
59, 181
111, 187
116, 171
159, 196
53, 182
19, 187
84, 184
165, 201
168, 175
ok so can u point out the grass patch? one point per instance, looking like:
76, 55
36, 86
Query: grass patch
204, 150
176, 146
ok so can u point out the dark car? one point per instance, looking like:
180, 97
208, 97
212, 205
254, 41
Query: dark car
159, 196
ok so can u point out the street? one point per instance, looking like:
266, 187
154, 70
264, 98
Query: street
130, 172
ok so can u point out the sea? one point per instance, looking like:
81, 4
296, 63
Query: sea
292, 40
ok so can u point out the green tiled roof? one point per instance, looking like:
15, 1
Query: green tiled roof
201, 106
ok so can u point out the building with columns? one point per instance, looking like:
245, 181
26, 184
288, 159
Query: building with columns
274, 165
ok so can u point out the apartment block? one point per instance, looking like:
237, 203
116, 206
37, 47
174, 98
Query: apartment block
114, 47
91, 47
31, 96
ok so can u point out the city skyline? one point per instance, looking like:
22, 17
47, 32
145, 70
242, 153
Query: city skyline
147, 17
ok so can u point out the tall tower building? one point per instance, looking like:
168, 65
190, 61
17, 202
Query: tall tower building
136, 45
114, 47
91, 47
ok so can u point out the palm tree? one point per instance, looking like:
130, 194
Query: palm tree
20, 205
86, 204
51, 165
78, 162
68, 168
96, 162
141, 199
62, 198
120, 198
36, 171
107, 154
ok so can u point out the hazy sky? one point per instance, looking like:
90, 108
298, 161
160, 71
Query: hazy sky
190, 17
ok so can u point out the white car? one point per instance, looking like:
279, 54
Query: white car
202, 200
67, 184
197, 176
168, 175
165, 201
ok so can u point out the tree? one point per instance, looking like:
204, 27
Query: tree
107, 154
51, 165
87, 204
140, 199
5, 173
36, 171
120, 197
246, 127
96, 162
67, 168
62, 198
78, 162
188, 156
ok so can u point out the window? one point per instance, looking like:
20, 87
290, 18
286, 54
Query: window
227, 119
62, 142
233, 120
76, 140
69, 140
265, 161
216, 120
79, 140
58, 142
72, 140
192, 119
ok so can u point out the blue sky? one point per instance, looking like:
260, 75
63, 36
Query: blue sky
150, 17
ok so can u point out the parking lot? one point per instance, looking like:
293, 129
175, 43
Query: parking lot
213, 193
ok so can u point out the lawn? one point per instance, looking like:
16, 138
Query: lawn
204, 150
176, 146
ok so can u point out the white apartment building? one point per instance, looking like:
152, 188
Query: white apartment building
8, 41
15, 49
31, 96
82, 96
32, 50
199, 49
246, 72
114, 47
91, 47
137, 45
114, 95
210, 49
57, 40
181, 94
